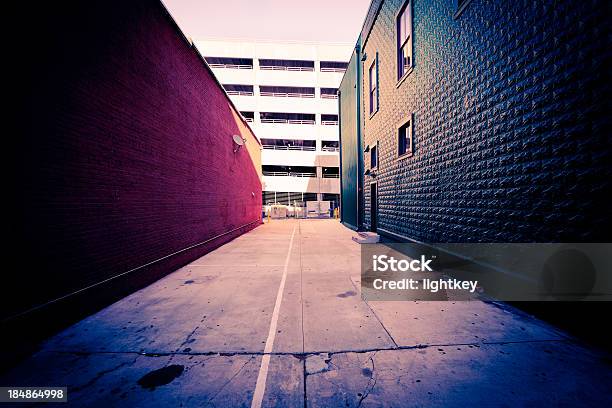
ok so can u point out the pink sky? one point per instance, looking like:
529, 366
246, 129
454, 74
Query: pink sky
310, 20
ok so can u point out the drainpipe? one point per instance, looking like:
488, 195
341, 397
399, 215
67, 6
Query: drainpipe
340, 206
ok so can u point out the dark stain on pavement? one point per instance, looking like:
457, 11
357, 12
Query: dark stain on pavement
366, 372
347, 294
162, 376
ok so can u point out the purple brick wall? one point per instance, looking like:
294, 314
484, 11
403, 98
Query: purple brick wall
125, 156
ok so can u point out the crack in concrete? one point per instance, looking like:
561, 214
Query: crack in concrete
302, 315
369, 388
202, 361
372, 379
304, 375
187, 341
333, 367
322, 364
210, 400
374, 314
189, 336
101, 374
340, 389
308, 353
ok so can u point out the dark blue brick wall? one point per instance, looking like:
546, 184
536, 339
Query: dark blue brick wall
510, 128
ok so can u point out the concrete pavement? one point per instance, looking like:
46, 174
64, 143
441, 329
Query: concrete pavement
202, 336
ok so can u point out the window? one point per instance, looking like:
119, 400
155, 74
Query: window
293, 118
373, 80
331, 172
404, 139
235, 63
287, 198
233, 89
248, 116
295, 197
404, 40
268, 197
330, 146
287, 91
292, 171
289, 144
286, 65
282, 197
374, 156
329, 93
329, 119
333, 66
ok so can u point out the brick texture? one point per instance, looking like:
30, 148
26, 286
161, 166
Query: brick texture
127, 155
510, 128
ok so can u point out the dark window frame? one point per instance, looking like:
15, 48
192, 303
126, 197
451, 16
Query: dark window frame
373, 93
405, 142
374, 156
404, 19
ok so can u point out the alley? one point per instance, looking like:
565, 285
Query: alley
276, 316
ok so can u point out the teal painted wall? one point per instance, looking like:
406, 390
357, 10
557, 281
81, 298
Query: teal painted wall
351, 161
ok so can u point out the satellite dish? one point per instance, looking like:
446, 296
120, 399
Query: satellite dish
238, 140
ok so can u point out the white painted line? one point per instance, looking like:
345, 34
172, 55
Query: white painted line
262, 377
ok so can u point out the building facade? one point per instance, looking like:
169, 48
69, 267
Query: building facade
480, 121
288, 93
125, 148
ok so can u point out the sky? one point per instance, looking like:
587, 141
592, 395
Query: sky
295, 20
